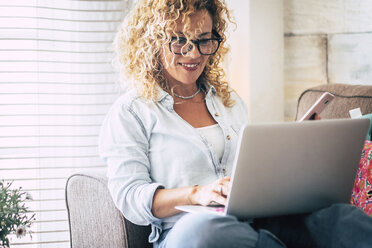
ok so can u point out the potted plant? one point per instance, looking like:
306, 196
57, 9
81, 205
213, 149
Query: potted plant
15, 218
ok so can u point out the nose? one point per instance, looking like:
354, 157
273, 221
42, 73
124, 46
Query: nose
194, 52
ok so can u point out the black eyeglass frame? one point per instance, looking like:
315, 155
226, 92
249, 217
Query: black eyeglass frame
217, 38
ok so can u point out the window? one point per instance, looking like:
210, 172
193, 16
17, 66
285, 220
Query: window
56, 84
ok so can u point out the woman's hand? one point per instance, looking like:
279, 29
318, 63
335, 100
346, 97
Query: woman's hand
214, 192
165, 200
317, 117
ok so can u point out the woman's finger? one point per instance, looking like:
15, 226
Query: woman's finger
225, 186
218, 188
219, 199
225, 190
223, 180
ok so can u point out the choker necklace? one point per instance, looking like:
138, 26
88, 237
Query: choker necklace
187, 97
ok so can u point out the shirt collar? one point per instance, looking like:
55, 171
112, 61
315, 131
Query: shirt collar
162, 94
210, 90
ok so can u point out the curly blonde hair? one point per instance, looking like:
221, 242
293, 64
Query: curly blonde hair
151, 24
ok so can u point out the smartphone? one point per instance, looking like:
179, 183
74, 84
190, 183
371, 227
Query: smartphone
318, 106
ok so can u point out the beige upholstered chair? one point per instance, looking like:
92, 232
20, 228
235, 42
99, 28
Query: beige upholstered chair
94, 220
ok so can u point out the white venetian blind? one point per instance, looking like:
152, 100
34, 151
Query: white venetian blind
56, 84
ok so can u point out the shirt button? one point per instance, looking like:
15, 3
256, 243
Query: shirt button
228, 137
224, 171
216, 114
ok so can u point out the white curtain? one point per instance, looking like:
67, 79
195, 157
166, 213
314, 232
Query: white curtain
56, 84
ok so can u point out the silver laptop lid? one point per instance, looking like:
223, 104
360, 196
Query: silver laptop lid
289, 168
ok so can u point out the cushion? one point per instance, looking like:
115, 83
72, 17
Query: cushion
362, 192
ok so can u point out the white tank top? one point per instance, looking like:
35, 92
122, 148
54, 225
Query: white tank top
214, 136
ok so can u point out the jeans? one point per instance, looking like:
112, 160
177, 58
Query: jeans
340, 225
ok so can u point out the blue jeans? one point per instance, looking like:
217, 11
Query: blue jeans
340, 225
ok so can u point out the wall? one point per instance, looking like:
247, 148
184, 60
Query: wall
325, 42
255, 65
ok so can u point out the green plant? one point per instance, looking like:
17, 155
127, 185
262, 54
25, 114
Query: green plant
15, 218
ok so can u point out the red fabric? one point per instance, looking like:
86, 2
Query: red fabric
362, 192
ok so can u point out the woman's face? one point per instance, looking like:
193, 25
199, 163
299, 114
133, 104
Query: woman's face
182, 70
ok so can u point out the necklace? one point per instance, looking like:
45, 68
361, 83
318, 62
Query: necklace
187, 97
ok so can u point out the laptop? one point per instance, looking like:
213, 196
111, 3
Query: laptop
292, 168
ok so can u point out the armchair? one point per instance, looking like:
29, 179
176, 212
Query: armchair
93, 218
95, 221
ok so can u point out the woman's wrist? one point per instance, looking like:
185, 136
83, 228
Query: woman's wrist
192, 192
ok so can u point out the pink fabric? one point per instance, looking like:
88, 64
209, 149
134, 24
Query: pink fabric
362, 192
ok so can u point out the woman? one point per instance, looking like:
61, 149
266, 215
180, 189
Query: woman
171, 138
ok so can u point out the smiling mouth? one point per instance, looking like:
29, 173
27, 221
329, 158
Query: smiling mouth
189, 65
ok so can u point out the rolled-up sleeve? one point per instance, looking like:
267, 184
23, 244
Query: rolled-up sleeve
124, 145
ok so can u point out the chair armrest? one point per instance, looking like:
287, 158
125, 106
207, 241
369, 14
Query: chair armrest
93, 218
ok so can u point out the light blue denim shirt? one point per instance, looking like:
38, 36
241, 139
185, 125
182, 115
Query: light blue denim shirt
147, 145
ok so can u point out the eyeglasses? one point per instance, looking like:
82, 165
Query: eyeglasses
179, 46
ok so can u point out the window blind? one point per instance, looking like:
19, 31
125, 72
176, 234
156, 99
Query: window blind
56, 85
